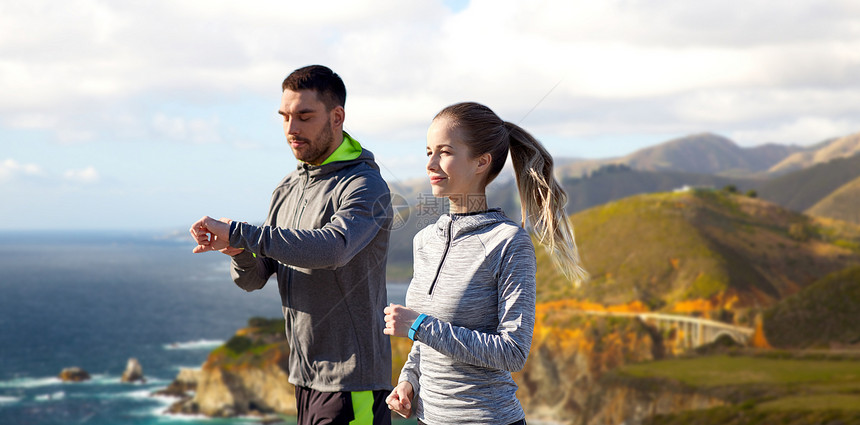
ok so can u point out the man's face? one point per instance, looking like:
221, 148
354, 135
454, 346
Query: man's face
309, 127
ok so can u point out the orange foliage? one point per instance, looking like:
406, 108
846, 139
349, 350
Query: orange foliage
570, 304
631, 307
724, 301
691, 306
759, 340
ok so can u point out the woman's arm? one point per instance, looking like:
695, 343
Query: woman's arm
505, 349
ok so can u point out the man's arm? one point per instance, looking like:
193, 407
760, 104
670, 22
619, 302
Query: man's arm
250, 272
364, 210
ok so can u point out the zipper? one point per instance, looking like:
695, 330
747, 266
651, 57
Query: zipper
444, 255
297, 214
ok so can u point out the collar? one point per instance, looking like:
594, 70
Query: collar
348, 150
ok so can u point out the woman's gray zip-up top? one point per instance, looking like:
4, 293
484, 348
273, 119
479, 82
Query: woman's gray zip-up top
475, 279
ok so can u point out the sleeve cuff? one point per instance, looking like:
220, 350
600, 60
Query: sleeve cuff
233, 235
244, 259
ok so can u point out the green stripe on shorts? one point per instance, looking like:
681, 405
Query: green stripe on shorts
362, 407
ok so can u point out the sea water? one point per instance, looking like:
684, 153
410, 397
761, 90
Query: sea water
94, 300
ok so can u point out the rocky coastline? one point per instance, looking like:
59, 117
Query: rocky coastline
563, 379
577, 373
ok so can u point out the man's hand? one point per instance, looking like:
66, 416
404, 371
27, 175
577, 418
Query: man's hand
398, 319
400, 400
212, 235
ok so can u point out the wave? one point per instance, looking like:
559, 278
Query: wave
59, 395
31, 382
200, 344
179, 368
100, 379
7, 400
49, 381
171, 418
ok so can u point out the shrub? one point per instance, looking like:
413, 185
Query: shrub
239, 344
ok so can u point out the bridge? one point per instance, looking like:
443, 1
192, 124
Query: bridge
695, 331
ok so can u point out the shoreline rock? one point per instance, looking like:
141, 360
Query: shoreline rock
133, 372
183, 385
74, 374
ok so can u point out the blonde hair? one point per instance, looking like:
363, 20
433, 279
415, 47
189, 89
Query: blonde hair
542, 197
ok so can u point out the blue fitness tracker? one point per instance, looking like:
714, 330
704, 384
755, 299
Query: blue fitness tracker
415, 325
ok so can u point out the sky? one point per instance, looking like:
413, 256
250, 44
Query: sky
147, 115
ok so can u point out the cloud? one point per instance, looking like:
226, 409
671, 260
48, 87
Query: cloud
14, 171
196, 130
801, 131
87, 175
11, 169
88, 71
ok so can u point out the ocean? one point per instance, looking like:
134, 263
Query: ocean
94, 300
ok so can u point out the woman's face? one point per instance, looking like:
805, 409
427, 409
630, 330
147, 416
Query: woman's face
452, 170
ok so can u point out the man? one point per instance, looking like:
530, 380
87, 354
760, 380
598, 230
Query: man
326, 240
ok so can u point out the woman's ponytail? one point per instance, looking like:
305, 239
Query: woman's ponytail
543, 201
541, 196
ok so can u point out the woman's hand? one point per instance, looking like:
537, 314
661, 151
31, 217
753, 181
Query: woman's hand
398, 319
400, 400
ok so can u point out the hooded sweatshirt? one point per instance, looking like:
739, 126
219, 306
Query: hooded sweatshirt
475, 279
326, 240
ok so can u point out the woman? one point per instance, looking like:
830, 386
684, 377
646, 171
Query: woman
470, 307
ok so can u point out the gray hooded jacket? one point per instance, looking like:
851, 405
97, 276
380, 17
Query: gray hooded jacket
475, 279
326, 239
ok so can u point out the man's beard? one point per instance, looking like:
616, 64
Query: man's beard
315, 149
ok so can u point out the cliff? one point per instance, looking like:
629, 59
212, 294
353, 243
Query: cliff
568, 377
246, 375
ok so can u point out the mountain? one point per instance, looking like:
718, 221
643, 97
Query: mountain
612, 182
841, 204
828, 150
707, 153
704, 153
802, 189
726, 251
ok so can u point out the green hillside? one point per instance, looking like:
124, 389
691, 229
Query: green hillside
842, 204
802, 189
761, 389
700, 244
823, 313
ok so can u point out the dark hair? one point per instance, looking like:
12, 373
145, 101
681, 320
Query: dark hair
328, 85
542, 197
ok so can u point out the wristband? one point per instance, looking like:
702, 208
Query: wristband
415, 325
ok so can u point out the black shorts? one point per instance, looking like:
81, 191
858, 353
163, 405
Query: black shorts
341, 408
